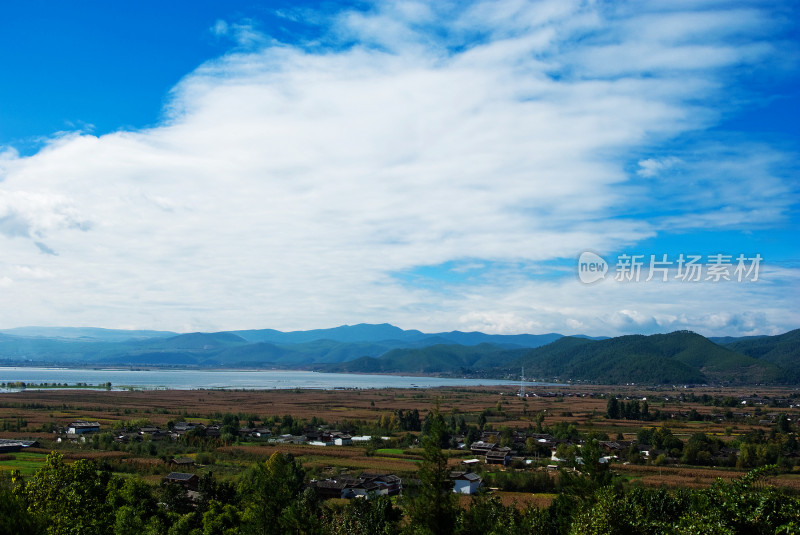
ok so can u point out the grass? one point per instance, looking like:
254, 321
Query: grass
389, 451
27, 463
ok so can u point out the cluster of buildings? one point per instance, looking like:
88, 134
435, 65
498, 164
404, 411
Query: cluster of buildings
78, 430
347, 486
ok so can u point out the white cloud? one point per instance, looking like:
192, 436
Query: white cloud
220, 28
654, 166
289, 186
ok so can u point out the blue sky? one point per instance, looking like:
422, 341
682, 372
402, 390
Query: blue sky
222, 165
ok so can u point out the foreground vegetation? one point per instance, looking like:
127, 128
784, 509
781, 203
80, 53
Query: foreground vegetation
271, 498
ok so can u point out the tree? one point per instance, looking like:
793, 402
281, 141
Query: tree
566, 453
605, 514
591, 455
487, 515
14, 517
69, 499
268, 490
612, 409
539, 421
221, 519
482, 420
304, 515
434, 509
365, 517
135, 508
782, 424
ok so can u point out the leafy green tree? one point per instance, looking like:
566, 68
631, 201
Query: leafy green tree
184, 524
591, 456
539, 421
14, 517
211, 489
487, 515
222, 519
68, 499
606, 514
612, 409
377, 516
304, 515
566, 453
482, 420
746, 505
268, 490
135, 507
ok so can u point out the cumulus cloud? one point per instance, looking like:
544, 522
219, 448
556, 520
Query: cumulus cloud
289, 184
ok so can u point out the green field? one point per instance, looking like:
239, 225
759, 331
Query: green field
26, 463
389, 451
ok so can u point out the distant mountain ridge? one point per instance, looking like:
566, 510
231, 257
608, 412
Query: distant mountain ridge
675, 358
244, 348
87, 333
682, 357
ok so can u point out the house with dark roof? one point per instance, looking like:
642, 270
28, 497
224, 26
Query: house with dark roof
465, 482
481, 448
11, 445
365, 485
499, 456
188, 481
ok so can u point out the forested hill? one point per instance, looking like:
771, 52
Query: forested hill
677, 358
781, 350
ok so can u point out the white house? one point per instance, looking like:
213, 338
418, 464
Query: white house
465, 482
343, 440
80, 427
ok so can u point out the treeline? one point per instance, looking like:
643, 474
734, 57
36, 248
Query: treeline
779, 447
23, 385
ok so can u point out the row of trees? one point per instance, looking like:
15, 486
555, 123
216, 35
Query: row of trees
633, 410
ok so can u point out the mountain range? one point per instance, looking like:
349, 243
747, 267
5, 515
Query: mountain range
676, 358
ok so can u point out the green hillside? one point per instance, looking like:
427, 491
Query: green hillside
782, 350
679, 357
447, 359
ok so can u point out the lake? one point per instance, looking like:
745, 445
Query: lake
181, 379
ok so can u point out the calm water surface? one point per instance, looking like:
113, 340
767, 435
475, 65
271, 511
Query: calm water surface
231, 379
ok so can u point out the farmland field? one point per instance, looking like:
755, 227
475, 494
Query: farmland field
38, 414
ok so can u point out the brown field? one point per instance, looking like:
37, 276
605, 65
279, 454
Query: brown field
331, 456
582, 406
160, 406
668, 476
